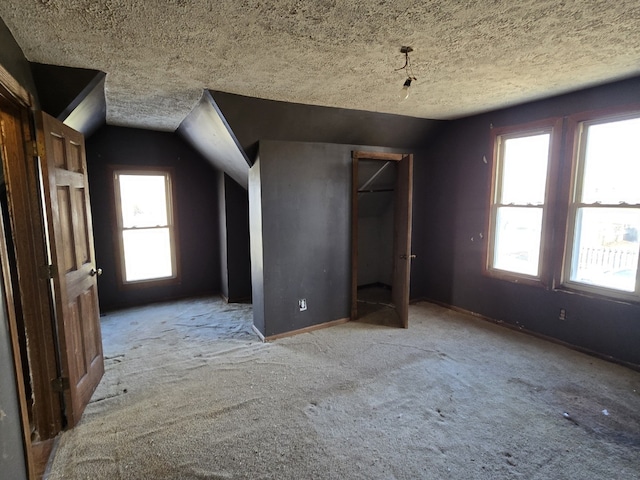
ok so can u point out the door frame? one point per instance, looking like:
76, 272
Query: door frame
357, 155
34, 288
15, 97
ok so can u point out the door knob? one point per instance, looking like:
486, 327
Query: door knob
404, 257
95, 272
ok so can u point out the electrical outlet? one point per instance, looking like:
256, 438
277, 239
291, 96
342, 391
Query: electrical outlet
302, 304
563, 314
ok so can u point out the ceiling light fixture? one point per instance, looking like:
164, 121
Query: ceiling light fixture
407, 70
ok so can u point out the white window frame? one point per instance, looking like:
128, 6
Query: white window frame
577, 144
553, 127
168, 174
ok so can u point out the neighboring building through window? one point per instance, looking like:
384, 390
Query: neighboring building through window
604, 212
145, 221
522, 160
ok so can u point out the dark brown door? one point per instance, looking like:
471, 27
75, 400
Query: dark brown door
68, 213
402, 238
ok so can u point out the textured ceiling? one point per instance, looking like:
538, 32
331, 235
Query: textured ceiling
470, 56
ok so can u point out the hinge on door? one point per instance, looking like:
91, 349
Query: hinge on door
48, 272
60, 384
31, 147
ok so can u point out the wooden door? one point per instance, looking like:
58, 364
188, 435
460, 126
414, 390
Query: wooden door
354, 237
402, 238
67, 208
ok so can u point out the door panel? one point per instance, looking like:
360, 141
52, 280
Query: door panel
63, 165
82, 234
74, 157
354, 238
402, 238
66, 230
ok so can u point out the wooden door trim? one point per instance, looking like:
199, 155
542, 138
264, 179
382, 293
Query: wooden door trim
11, 88
361, 154
15, 348
25, 217
31, 260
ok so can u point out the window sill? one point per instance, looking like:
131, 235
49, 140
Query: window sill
161, 282
518, 278
598, 294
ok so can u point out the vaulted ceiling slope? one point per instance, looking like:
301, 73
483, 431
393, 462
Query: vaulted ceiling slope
74, 96
253, 119
226, 129
469, 56
206, 129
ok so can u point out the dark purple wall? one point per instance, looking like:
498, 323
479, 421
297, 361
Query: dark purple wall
236, 206
455, 185
222, 236
58, 86
305, 198
235, 261
196, 200
300, 211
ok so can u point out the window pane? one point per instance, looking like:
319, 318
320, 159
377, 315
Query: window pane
517, 239
524, 169
612, 163
147, 254
606, 247
143, 200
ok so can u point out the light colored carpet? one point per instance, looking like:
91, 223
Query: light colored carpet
190, 393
